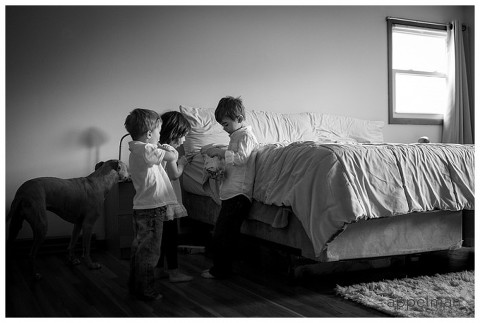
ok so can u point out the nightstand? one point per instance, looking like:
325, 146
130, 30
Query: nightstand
118, 219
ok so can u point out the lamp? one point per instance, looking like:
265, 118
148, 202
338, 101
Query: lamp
120, 146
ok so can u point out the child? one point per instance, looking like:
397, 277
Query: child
174, 128
153, 192
237, 185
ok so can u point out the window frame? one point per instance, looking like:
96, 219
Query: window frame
419, 119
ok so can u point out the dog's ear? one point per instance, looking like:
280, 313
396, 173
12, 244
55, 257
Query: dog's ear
98, 165
118, 165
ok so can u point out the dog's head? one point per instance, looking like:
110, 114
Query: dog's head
117, 165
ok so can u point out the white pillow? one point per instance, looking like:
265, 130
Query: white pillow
364, 131
268, 127
205, 129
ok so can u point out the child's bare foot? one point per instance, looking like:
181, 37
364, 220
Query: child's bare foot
175, 276
206, 274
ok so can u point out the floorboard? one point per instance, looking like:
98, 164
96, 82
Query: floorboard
254, 291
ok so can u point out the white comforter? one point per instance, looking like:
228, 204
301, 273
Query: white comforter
329, 185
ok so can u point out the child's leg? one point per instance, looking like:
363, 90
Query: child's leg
226, 234
169, 252
145, 256
169, 245
133, 251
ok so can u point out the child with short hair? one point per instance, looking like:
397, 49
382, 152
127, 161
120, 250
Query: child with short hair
153, 193
237, 185
174, 129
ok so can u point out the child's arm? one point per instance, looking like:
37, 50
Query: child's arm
155, 154
171, 154
239, 157
174, 169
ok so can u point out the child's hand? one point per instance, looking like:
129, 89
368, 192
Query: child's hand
165, 147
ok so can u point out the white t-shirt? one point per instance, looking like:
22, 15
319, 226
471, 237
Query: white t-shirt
152, 185
239, 164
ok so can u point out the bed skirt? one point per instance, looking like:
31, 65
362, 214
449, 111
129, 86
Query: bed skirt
382, 237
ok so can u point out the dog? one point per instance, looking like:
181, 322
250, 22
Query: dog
77, 200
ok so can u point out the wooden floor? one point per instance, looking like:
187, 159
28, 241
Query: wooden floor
254, 291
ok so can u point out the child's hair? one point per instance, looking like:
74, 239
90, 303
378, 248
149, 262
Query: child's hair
140, 121
174, 126
230, 107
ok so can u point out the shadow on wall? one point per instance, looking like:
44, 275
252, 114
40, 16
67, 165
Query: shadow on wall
93, 138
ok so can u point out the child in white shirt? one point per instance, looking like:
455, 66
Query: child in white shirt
153, 195
237, 185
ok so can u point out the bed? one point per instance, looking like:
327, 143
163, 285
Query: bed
328, 186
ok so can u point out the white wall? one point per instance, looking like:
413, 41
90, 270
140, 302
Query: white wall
74, 73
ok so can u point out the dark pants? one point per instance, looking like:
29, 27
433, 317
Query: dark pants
145, 251
169, 245
226, 234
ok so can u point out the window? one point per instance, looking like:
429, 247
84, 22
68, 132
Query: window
417, 65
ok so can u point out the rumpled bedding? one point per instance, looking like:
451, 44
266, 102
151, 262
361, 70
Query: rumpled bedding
213, 173
330, 185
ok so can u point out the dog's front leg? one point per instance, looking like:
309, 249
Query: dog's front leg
72, 259
87, 235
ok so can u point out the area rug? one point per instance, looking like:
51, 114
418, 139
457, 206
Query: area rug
441, 295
